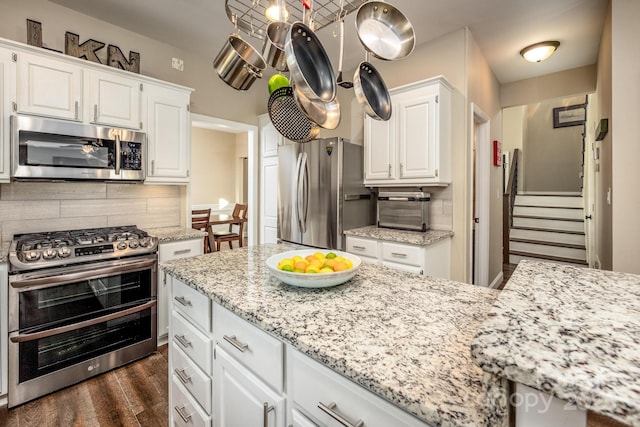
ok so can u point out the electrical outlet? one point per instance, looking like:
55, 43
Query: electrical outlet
177, 64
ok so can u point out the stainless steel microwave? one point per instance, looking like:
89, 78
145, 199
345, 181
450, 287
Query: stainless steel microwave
49, 149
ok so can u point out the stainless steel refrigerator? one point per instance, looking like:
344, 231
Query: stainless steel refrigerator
321, 192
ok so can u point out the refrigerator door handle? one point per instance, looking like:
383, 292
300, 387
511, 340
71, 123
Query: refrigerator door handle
299, 198
305, 182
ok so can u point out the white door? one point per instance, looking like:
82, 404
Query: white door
241, 399
47, 87
479, 216
379, 149
114, 100
270, 140
417, 138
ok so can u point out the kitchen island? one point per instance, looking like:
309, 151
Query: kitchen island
401, 336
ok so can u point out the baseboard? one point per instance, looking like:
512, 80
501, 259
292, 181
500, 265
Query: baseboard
4, 401
497, 281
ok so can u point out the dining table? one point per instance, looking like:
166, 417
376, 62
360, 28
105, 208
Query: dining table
221, 219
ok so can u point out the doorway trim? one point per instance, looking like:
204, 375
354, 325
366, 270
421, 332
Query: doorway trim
482, 182
222, 125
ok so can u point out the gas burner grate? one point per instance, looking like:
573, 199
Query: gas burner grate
251, 19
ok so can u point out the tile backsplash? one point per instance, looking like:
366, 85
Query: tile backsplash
48, 206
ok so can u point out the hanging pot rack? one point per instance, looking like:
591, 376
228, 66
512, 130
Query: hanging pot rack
251, 20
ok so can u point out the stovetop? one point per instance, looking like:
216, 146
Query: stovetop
51, 249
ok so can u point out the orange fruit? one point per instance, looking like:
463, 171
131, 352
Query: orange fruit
301, 265
340, 266
310, 258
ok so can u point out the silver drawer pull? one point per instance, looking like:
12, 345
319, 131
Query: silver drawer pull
183, 301
182, 376
182, 252
183, 414
265, 413
183, 340
399, 255
237, 344
362, 248
330, 410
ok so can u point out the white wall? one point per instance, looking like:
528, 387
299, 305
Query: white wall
213, 166
513, 128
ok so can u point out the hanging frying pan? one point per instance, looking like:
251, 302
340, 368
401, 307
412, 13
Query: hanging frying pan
384, 31
372, 92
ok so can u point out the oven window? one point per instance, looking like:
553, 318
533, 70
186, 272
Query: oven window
45, 355
73, 302
42, 149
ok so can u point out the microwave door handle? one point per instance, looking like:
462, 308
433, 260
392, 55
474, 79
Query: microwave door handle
298, 201
118, 155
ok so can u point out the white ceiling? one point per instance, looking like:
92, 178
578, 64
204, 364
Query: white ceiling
500, 27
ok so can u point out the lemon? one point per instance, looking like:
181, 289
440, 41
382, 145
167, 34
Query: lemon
319, 255
312, 270
287, 267
325, 270
349, 263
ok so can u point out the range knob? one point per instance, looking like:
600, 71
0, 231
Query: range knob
133, 244
32, 255
49, 253
64, 252
122, 245
144, 242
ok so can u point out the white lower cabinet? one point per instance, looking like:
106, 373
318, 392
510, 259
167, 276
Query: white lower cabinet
431, 260
184, 410
4, 353
242, 399
166, 252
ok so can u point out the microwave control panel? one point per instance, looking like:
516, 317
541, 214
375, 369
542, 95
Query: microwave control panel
131, 156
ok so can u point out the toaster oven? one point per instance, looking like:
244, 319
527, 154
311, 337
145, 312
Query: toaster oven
403, 210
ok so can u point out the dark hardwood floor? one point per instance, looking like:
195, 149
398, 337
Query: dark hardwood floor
133, 395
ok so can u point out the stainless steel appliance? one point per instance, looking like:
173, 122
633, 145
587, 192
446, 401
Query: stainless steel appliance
51, 149
80, 303
404, 210
321, 192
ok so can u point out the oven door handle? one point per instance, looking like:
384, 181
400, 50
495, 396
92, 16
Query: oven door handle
83, 324
83, 275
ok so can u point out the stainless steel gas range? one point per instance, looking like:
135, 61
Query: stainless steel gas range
81, 302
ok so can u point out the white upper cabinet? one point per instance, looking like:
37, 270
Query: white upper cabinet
49, 87
166, 120
7, 98
114, 100
414, 146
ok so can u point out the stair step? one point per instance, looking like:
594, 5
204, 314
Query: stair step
556, 237
549, 212
514, 255
548, 229
549, 243
549, 224
547, 217
548, 249
550, 200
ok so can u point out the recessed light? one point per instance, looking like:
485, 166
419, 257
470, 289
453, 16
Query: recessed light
540, 51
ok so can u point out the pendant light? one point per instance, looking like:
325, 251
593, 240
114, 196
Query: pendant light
275, 11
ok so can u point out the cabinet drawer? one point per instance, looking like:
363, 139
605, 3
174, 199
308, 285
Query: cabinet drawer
182, 249
402, 254
184, 410
299, 420
191, 377
255, 349
352, 402
364, 247
192, 304
193, 342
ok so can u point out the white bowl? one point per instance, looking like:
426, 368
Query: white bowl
312, 280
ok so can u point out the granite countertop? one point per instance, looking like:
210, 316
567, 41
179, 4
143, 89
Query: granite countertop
405, 337
420, 238
173, 234
569, 331
4, 251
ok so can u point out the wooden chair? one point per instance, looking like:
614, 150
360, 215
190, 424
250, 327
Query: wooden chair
200, 221
239, 212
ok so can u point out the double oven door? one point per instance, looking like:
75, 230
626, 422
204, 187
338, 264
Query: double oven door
71, 323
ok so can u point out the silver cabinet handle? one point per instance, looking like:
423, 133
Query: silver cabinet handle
237, 344
182, 375
362, 248
182, 252
182, 340
265, 413
330, 410
183, 414
76, 111
183, 301
399, 255
95, 112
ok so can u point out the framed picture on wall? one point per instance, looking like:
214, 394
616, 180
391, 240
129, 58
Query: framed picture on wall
573, 115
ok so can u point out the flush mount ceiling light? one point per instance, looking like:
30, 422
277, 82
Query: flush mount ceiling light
540, 51
276, 12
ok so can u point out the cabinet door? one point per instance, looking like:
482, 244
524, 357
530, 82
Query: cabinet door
168, 134
269, 200
379, 150
7, 97
417, 133
48, 87
114, 100
241, 399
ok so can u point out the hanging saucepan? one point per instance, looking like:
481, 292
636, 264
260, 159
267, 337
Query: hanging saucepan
384, 31
325, 114
287, 117
372, 92
238, 64
309, 65
273, 48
